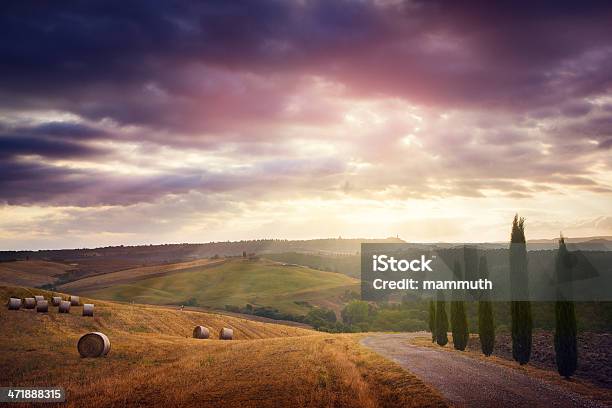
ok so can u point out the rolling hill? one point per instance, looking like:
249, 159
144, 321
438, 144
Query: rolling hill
31, 273
346, 264
167, 253
113, 318
235, 282
130, 275
154, 361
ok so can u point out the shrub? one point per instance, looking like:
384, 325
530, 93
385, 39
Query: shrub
356, 311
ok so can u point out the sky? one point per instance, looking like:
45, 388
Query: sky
159, 122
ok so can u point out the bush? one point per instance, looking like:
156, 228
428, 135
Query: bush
396, 320
321, 319
356, 311
233, 309
191, 302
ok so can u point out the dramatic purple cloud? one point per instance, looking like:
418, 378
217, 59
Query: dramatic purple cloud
107, 107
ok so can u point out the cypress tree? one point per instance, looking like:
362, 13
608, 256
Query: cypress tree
566, 348
441, 321
459, 325
432, 320
522, 324
486, 326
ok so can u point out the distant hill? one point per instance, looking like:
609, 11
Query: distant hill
132, 275
178, 252
89, 260
55, 267
32, 273
571, 240
586, 243
263, 283
80, 263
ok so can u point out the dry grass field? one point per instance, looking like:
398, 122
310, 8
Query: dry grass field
31, 273
155, 362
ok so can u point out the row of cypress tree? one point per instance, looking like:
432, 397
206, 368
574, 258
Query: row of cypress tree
438, 320
565, 339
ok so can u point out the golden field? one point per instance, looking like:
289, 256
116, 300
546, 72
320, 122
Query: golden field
154, 361
31, 273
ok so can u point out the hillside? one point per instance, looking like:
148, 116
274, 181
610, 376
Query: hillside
167, 253
236, 283
346, 264
135, 274
119, 319
154, 361
31, 273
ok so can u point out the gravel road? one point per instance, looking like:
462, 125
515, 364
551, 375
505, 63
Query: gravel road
468, 382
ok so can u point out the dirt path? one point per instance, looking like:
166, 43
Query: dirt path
467, 382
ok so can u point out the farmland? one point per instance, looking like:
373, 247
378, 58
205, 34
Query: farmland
130, 275
154, 361
235, 282
31, 273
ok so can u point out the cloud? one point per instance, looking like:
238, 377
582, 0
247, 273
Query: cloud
52, 139
186, 58
251, 103
23, 145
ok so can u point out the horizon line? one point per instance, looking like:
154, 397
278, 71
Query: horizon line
587, 238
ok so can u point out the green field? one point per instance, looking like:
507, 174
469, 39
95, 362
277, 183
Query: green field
347, 264
236, 283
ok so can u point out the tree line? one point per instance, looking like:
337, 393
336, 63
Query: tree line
565, 337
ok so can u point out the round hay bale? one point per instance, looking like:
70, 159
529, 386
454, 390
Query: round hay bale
88, 309
74, 300
14, 304
226, 334
201, 332
38, 298
29, 303
94, 344
64, 307
42, 306
55, 300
